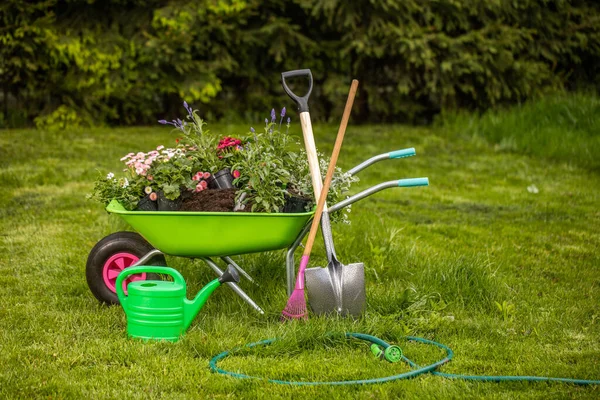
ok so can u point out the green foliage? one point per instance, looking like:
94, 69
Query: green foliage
127, 61
506, 309
266, 164
109, 187
340, 183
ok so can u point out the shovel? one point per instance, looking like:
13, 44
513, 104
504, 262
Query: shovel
337, 288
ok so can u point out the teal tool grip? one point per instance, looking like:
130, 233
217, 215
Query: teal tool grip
413, 182
403, 153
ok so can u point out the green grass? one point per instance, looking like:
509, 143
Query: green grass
439, 261
561, 127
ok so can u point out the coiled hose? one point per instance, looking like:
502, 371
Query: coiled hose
416, 369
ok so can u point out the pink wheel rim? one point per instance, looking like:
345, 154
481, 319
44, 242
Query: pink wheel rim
114, 265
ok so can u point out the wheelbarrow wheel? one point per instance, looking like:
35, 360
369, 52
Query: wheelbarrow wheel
110, 256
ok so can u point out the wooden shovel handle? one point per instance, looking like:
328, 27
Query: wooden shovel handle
334, 156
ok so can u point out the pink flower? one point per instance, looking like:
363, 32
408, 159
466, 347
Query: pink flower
227, 142
236, 173
140, 155
160, 147
148, 161
206, 175
203, 184
153, 196
150, 177
199, 187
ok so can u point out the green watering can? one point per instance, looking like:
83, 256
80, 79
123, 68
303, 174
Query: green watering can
160, 310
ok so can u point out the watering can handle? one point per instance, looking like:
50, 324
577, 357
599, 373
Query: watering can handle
144, 268
301, 101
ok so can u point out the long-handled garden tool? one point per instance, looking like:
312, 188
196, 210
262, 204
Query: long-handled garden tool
296, 306
337, 288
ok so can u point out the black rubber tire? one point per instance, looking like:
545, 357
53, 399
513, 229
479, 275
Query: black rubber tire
112, 244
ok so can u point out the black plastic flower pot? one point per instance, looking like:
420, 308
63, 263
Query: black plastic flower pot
295, 204
221, 180
145, 204
165, 204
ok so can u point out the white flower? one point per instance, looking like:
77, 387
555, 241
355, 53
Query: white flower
110, 175
125, 183
533, 189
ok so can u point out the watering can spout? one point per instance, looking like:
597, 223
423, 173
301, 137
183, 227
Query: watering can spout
192, 307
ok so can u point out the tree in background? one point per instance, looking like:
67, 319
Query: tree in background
82, 62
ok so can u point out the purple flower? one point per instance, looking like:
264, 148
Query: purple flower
177, 123
282, 115
162, 121
266, 121
288, 121
252, 130
273, 115
189, 109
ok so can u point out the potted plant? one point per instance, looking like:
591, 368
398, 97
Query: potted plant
263, 171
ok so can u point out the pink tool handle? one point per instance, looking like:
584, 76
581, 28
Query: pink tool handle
301, 269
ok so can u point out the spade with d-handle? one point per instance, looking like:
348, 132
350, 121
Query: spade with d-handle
337, 288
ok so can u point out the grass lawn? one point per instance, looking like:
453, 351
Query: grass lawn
508, 277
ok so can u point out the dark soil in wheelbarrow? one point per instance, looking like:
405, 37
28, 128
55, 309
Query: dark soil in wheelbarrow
210, 200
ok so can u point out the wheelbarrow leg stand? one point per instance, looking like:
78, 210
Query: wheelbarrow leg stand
232, 285
147, 257
229, 261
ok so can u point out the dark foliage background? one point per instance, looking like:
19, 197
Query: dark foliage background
83, 62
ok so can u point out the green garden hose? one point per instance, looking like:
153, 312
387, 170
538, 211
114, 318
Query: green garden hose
417, 370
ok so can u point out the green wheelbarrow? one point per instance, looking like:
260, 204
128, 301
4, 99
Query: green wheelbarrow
208, 235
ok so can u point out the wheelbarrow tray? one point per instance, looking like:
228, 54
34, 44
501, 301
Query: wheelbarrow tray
213, 234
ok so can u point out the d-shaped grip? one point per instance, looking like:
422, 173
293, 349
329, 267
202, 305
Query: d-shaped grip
301, 101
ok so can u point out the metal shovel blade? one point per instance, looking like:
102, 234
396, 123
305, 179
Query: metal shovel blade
336, 289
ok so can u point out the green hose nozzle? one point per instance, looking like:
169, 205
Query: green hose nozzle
391, 353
